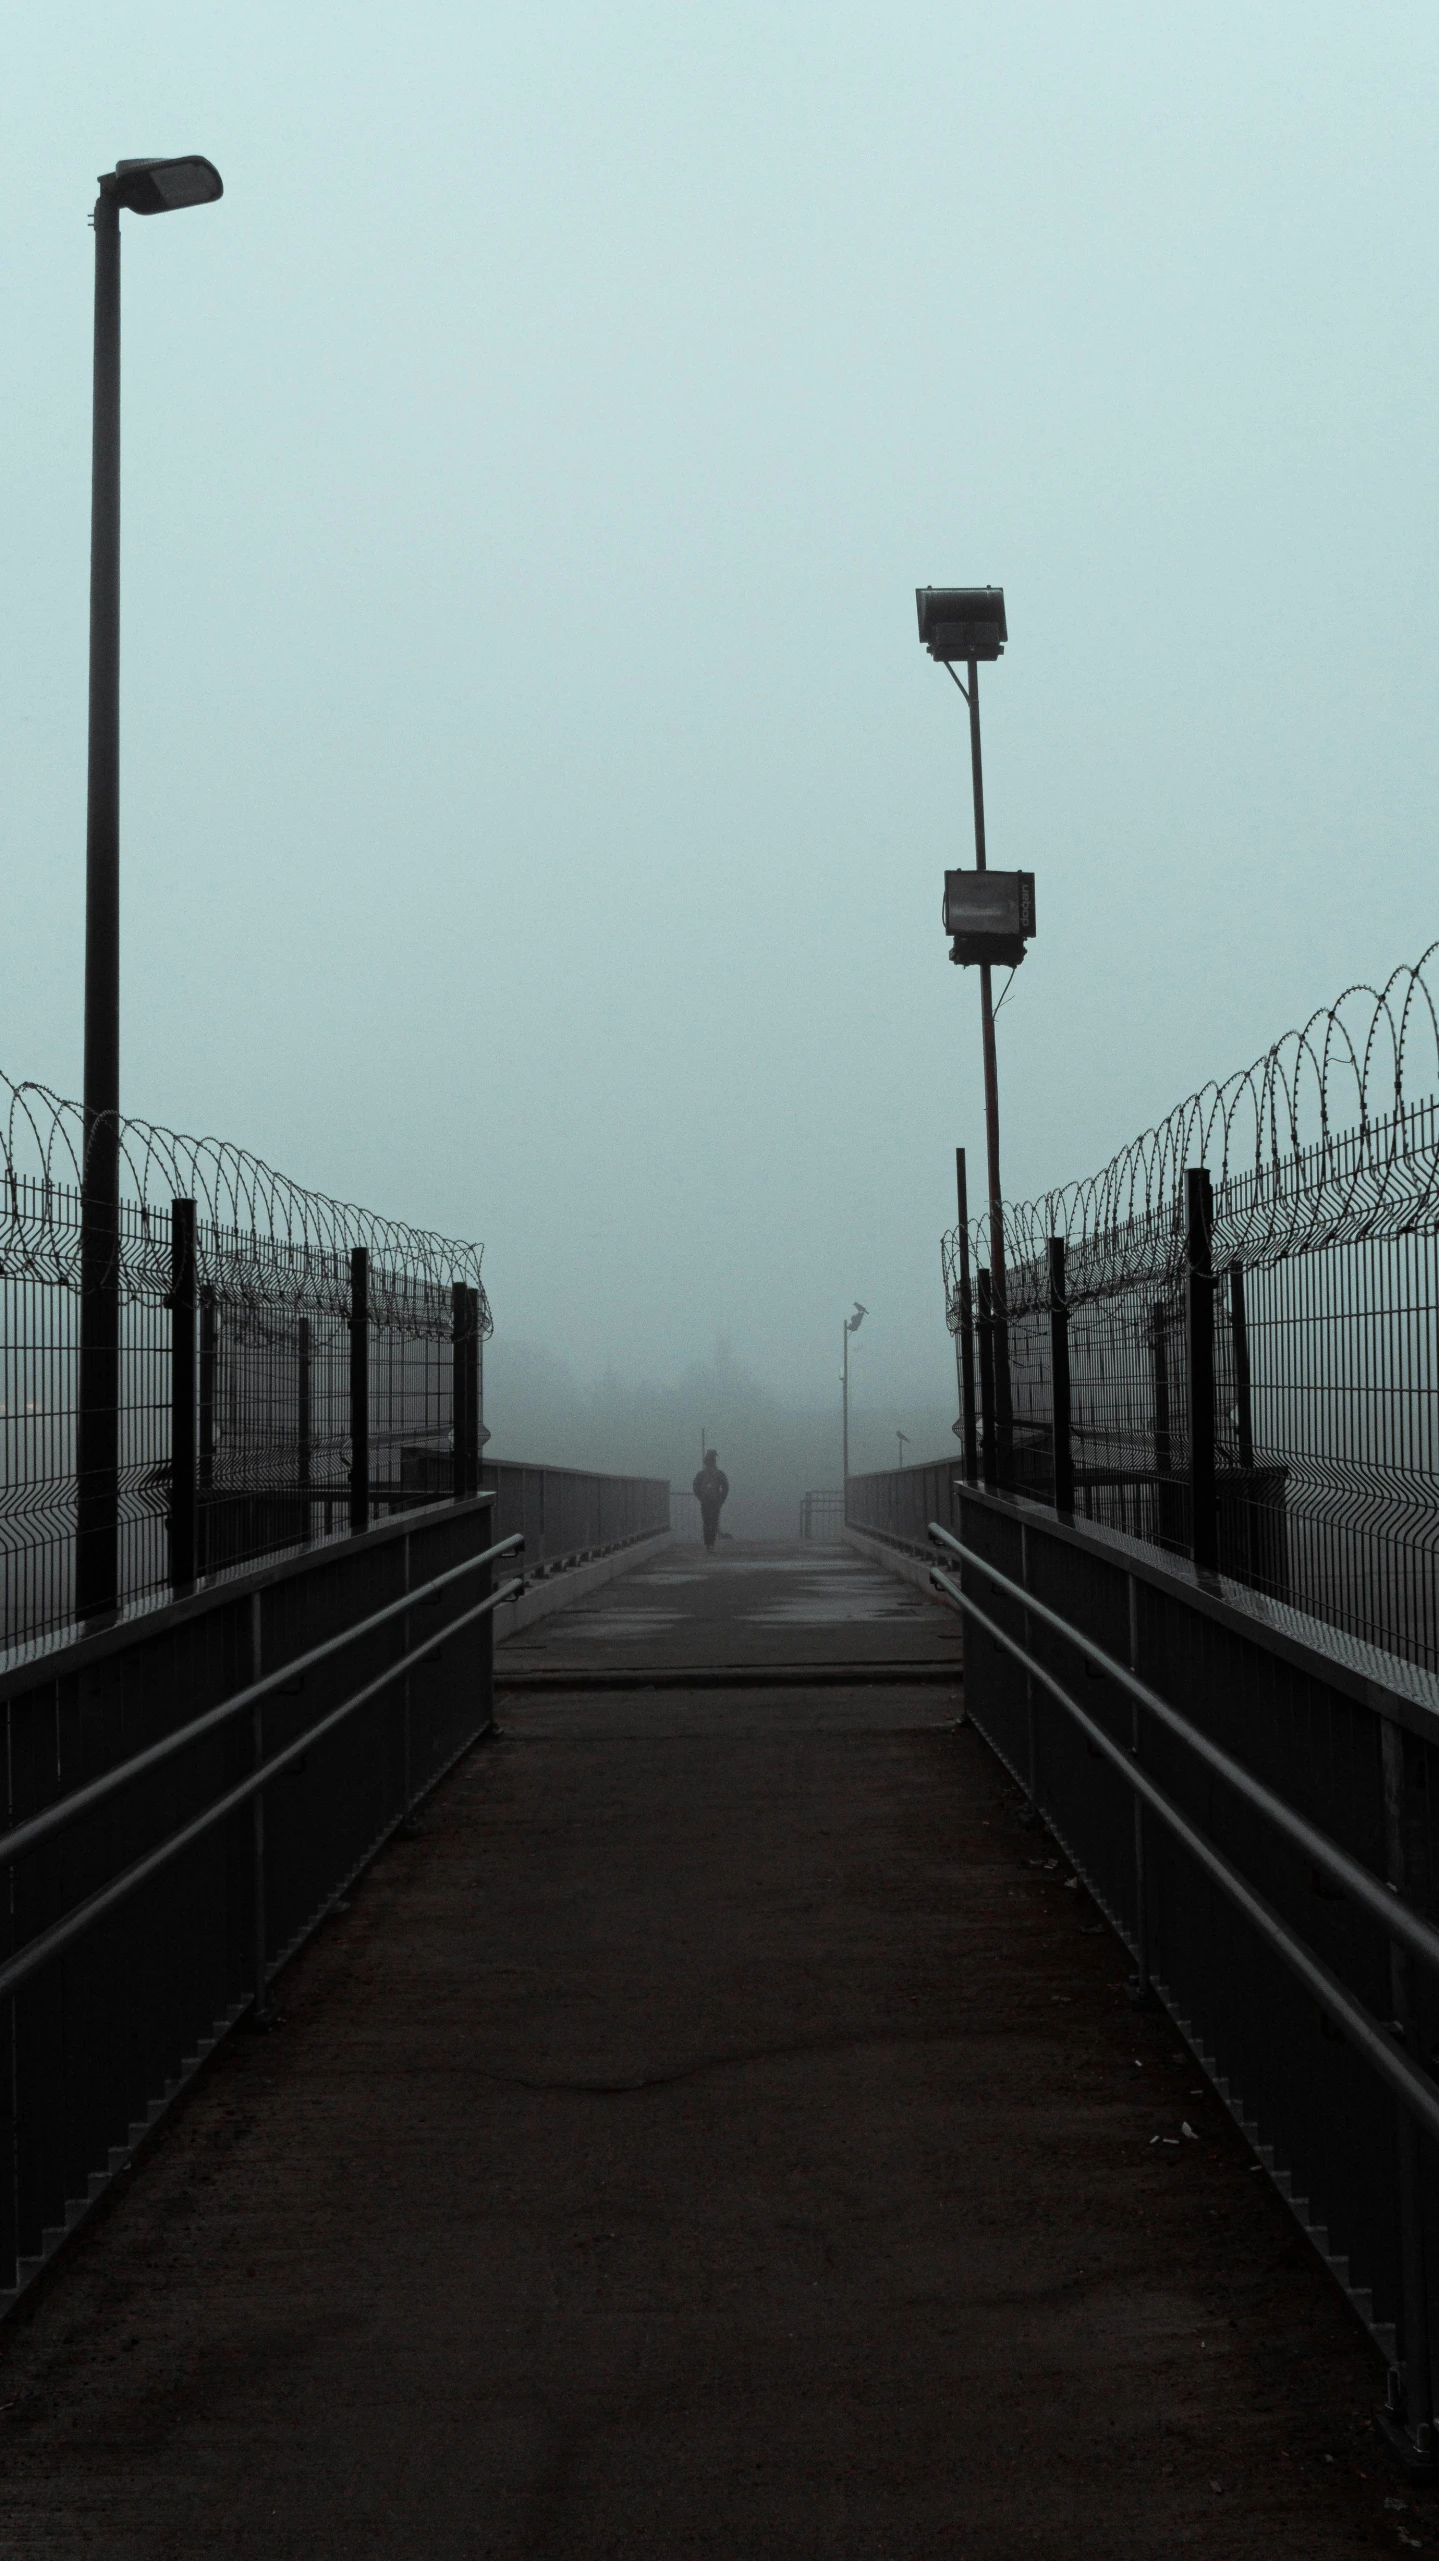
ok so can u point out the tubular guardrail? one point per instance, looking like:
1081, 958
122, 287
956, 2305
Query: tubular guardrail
1252, 1796
1380, 1901
69, 1809
187, 1792
187, 1789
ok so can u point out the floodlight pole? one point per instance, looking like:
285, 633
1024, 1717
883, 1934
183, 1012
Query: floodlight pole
986, 1013
991, 1091
98, 1418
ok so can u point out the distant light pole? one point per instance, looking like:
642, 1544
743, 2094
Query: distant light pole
903, 1440
989, 914
136, 186
852, 1325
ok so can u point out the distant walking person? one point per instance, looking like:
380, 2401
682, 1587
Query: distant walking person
712, 1487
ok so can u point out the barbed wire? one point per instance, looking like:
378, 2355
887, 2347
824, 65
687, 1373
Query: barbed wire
1331, 1136
261, 1238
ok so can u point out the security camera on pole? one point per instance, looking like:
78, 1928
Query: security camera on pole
989, 916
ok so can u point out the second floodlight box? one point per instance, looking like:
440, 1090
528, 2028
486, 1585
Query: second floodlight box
990, 915
962, 622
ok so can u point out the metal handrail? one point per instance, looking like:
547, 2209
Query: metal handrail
1381, 1901
53, 1818
1414, 2089
39, 1951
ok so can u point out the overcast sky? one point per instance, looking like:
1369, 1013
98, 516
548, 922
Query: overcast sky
535, 799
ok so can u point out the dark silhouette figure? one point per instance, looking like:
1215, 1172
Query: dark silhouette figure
712, 1487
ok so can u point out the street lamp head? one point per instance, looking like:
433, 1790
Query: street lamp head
854, 1322
961, 622
162, 186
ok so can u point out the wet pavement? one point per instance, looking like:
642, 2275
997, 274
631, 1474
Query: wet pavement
745, 1607
722, 2131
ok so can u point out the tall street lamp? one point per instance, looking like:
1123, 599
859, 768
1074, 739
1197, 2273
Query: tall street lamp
989, 915
852, 1325
137, 186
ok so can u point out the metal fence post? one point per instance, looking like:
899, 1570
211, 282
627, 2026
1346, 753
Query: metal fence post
1243, 1393
98, 1417
459, 1398
184, 1381
970, 1437
303, 1422
1164, 1530
359, 1389
1244, 1412
1203, 1496
304, 1425
1059, 1381
472, 1391
208, 1364
97, 1440
987, 1436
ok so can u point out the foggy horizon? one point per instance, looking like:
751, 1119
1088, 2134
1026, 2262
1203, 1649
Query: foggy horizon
534, 797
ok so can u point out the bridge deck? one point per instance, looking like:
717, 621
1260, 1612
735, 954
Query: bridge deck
718, 2133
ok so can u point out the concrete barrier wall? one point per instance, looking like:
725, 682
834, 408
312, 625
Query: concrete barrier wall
556, 1591
877, 1551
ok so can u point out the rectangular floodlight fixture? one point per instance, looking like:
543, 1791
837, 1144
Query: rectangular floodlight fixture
990, 915
961, 622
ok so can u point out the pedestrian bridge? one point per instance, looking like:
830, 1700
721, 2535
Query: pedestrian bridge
710, 2119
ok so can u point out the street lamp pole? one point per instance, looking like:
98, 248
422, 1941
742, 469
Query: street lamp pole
852, 1325
98, 1433
141, 186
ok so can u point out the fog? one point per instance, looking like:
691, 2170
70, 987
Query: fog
774, 1447
535, 799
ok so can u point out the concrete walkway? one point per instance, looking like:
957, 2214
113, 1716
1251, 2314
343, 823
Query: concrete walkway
721, 2132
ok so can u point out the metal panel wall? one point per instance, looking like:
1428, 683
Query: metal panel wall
566, 1514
